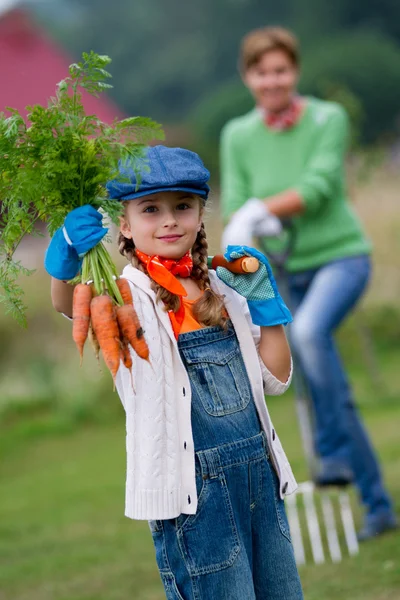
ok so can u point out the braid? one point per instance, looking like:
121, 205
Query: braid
199, 257
126, 247
208, 310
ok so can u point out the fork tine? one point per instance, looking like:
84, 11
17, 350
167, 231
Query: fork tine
348, 523
330, 524
312, 522
295, 529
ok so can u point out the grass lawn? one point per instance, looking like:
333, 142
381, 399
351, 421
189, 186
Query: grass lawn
63, 535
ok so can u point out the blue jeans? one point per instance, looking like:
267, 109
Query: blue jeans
320, 299
237, 546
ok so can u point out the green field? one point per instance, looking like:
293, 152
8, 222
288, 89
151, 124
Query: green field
63, 535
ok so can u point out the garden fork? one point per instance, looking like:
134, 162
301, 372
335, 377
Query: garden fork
310, 496
307, 494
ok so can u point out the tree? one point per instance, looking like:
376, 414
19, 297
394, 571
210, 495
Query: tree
368, 65
171, 59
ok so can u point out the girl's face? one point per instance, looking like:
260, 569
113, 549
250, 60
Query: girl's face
272, 81
164, 224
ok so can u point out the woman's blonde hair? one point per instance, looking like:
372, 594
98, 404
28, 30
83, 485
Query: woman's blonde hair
208, 309
259, 41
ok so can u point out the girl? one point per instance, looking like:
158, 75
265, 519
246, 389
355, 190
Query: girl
204, 463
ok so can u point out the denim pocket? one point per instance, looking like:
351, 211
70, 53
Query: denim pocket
209, 540
218, 375
279, 505
157, 532
171, 590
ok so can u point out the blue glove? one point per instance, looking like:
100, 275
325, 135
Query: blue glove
260, 290
82, 230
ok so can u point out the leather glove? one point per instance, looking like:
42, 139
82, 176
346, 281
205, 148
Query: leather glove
253, 219
266, 306
82, 230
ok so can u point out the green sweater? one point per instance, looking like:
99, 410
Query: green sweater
259, 162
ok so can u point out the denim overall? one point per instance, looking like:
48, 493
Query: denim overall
237, 545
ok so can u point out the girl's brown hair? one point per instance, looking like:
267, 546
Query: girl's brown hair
208, 309
259, 41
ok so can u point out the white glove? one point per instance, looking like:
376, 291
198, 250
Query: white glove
252, 211
252, 219
270, 226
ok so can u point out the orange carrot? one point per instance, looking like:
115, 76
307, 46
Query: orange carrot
125, 290
244, 264
94, 342
126, 355
127, 360
131, 330
81, 315
106, 329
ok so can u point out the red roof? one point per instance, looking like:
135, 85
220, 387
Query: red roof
32, 64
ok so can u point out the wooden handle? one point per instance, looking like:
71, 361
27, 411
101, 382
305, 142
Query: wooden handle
245, 264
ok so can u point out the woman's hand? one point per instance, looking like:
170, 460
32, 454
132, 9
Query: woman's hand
253, 219
260, 290
82, 230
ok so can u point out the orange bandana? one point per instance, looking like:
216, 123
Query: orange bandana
163, 271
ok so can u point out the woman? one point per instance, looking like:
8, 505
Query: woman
285, 159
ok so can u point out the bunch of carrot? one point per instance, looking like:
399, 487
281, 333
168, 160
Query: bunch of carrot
110, 327
58, 158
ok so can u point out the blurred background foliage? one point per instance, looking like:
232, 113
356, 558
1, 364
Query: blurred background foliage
179, 66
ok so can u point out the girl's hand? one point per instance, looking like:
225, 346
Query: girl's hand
260, 290
82, 230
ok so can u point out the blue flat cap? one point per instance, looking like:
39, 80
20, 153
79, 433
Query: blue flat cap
164, 170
